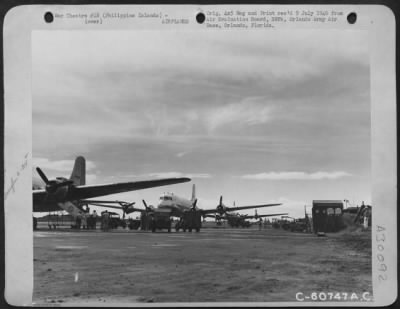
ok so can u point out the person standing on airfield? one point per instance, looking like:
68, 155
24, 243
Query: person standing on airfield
259, 224
78, 222
106, 220
84, 221
94, 214
102, 220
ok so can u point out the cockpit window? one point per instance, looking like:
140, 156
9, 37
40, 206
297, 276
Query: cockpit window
166, 198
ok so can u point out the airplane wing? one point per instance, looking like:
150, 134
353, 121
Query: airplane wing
228, 209
262, 216
109, 204
84, 192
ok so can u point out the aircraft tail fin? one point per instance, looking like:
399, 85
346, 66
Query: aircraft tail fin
193, 192
78, 175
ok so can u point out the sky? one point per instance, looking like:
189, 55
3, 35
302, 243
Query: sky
256, 116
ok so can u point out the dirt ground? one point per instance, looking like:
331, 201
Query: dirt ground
215, 265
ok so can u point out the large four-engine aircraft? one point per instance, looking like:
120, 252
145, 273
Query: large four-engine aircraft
240, 220
176, 206
70, 194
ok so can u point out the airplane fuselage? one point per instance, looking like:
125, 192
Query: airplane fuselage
177, 205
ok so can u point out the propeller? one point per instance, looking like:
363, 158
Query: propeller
126, 208
53, 185
220, 207
42, 175
148, 208
194, 205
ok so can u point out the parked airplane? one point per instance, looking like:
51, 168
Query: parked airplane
70, 194
178, 204
171, 205
239, 220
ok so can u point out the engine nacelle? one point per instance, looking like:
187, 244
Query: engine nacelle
221, 209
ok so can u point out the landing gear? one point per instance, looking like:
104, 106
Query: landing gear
190, 220
153, 224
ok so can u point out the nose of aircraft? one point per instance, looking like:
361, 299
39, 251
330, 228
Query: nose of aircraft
164, 203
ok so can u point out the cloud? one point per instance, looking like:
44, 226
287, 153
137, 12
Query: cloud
261, 106
181, 154
178, 174
248, 112
91, 179
63, 166
296, 175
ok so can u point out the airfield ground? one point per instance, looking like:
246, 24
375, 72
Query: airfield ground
215, 265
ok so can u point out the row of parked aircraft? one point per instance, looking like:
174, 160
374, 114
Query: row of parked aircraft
73, 193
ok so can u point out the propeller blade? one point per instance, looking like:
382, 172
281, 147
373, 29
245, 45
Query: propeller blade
146, 206
42, 175
220, 201
194, 204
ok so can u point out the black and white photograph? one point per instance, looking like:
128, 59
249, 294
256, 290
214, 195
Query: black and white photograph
195, 166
